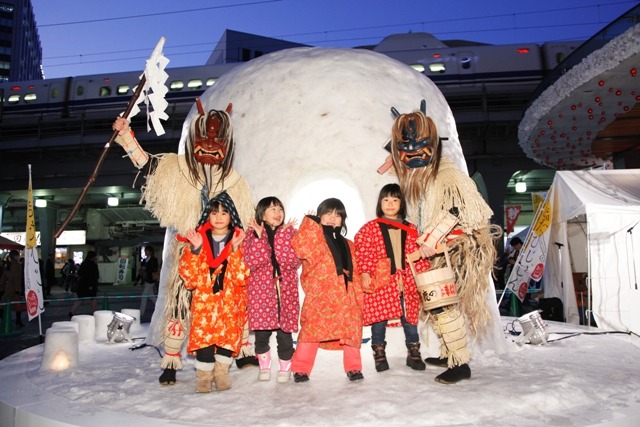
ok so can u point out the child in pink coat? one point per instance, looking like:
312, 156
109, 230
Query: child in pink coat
273, 301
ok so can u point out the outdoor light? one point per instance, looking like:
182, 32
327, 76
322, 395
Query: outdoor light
113, 201
533, 329
41, 203
521, 187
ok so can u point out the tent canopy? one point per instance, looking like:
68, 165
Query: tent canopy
608, 205
9, 244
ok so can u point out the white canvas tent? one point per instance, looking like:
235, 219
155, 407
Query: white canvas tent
592, 231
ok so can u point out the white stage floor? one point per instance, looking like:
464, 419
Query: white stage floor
583, 380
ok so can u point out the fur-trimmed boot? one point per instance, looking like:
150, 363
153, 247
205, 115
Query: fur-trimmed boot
414, 358
204, 376
380, 357
221, 373
265, 366
285, 371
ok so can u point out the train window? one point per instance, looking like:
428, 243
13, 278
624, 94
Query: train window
30, 98
55, 92
80, 90
211, 81
194, 84
465, 63
437, 68
13, 99
122, 89
104, 91
560, 57
176, 85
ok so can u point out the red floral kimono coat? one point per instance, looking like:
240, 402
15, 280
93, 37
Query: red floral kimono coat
331, 312
372, 258
216, 319
272, 304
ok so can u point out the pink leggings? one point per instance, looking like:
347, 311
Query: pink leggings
305, 356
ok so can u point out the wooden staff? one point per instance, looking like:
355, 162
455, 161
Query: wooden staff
103, 156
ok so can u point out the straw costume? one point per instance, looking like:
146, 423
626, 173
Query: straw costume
177, 190
447, 207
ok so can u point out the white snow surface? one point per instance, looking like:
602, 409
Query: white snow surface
585, 379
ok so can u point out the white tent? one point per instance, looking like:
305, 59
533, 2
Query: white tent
593, 230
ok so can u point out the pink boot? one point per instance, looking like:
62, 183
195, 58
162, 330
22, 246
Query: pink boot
285, 371
264, 360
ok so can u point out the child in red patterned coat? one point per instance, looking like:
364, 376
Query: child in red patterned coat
213, 270
331, 316
272, 291
389, 287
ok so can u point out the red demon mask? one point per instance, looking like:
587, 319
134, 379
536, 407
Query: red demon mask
212, 135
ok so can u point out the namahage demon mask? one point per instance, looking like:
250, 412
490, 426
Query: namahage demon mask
211, 136
414, 138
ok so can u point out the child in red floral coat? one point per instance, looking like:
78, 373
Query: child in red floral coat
213, 269
389, 287
272, 292
331, 315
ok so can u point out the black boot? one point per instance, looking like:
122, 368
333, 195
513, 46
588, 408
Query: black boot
168, 377
442, 362
247, 361
455, 374
380, 357
414, 359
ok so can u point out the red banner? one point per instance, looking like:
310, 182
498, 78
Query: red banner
512, 213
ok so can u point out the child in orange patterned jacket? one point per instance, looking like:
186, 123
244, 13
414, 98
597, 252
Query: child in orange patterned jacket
331, 316
213, 269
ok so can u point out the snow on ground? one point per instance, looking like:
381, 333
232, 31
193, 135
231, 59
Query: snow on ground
587, 379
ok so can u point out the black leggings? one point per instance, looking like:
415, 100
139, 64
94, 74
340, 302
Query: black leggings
284, 339
208, 354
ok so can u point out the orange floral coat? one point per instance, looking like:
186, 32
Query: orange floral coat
216, 319
331, 313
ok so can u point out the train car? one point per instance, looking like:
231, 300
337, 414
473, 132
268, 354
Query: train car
460, 70
70, 96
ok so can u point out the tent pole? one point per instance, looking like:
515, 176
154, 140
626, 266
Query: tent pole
587, 313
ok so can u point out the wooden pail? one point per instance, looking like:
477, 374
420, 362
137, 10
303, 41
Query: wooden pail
437, 287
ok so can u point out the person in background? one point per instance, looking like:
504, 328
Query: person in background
11, 284
50, 273
88, 275
389, 286
272, 292
331, 315
148, 269
69, 275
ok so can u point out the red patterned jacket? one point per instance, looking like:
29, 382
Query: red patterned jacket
216, 319
372, 258
331, 312
266, 309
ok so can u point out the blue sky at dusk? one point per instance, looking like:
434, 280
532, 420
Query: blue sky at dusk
119, 35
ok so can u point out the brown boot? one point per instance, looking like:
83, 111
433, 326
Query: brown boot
204, 379
414, 359
380, 357
221, 376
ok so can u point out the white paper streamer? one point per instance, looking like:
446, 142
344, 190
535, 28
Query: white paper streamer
154, 90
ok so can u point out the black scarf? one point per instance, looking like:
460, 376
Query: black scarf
271, 234
384, 228
339, 248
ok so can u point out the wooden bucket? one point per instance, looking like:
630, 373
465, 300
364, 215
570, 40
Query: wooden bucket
437, 287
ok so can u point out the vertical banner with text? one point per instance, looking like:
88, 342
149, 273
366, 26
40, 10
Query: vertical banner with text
32, 278
533, 255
